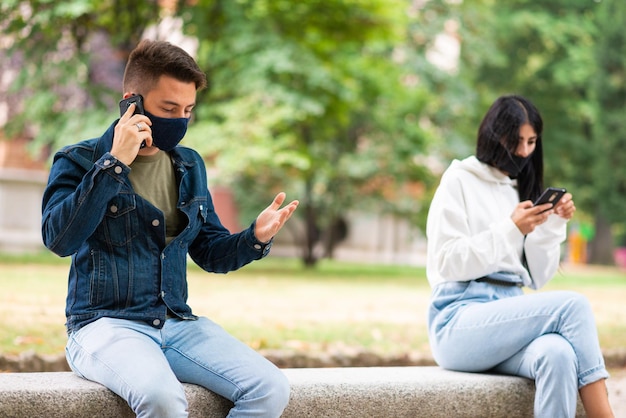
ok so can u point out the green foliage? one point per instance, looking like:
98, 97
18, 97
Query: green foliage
568, 57
303, 96
609, 131
62, 100
542, 51
336, 101
310, 101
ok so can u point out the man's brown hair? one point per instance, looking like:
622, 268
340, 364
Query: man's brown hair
152, 59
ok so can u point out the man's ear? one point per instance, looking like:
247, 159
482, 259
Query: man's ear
127, 95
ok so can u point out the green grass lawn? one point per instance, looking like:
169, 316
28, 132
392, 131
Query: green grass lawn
275, 303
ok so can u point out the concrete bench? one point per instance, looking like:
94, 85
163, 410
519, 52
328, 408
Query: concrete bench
379, 392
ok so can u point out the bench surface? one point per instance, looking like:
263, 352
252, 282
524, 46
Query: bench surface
317, 393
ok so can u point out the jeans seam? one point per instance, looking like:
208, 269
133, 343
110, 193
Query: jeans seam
208, 369
96, 359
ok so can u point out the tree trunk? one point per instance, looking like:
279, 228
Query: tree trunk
336, 232
311, 231
601, 246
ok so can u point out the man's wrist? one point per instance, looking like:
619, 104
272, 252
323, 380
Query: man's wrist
109, 162
257, 244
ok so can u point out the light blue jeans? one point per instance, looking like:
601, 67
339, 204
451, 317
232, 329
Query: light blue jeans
550, 337
145, 365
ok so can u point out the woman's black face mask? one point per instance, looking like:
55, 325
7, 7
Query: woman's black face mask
512, 164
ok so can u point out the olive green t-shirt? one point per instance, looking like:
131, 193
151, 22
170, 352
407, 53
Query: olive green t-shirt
153, 178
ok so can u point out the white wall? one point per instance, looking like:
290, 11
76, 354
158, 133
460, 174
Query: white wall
371, 238
20, 209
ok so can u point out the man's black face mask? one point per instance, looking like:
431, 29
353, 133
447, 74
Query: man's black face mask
166, 132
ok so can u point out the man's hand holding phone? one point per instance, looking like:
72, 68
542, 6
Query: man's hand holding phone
132, 130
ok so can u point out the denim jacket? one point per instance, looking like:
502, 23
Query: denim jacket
121, 266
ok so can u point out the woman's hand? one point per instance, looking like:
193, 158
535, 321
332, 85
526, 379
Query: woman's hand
526, 216
565, 208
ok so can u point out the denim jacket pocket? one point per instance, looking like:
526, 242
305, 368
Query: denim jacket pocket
120, 220
98, 279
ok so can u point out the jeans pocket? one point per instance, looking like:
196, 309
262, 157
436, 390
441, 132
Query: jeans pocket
443, 296
447, 293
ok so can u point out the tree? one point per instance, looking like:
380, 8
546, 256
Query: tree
70, 56
548, 51
608, 172
305, 96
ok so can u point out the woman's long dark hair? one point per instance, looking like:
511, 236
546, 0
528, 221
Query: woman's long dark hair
498, 136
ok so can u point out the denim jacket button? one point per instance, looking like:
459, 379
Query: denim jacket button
107, 163
118, 170
156, 322
257, 246
155, 222
113, 209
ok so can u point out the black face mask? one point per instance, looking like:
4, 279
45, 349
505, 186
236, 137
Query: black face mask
512, 164
166, 132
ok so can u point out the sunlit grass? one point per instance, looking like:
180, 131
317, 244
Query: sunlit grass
277, 304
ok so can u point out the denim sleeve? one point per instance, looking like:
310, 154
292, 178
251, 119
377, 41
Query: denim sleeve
216, 250
75, 199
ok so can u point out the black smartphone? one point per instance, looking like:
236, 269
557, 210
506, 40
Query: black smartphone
138, 100
550, 195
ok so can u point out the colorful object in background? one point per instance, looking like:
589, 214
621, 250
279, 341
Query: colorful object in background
620, 257
578, 237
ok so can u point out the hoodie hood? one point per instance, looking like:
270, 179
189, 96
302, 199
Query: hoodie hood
482, 171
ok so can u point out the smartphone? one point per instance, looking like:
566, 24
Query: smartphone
138, 100
550, 195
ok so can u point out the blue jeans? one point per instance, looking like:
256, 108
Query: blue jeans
550, 337
145, 366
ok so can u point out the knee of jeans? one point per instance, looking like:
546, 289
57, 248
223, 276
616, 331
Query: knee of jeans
270, 394
278, 390
580, 304
558, 355
159, 401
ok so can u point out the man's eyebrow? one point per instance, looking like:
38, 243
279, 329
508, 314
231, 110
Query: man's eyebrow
173, 103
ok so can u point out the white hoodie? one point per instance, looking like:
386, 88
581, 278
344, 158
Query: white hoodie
471, 234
